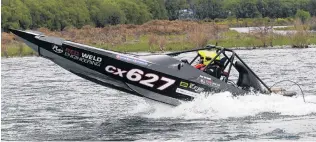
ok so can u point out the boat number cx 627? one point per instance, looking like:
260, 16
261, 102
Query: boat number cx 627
136, 75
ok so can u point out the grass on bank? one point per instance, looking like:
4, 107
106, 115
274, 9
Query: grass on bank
17, 50
163, 35
252, 22
290, 28
229, 39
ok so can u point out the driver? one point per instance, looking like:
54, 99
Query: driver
214, 68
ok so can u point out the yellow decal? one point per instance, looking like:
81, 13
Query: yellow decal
184, 84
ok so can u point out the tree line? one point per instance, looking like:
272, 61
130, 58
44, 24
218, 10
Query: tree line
59, 14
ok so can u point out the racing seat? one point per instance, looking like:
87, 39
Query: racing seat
214, 71
217, 70
246, 79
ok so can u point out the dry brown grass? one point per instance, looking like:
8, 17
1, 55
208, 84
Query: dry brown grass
264, 34
200, 34
312, 23
198, 37
156, 40
156, 33
152, 40
162, 43
300, 37
10, 46
6, 40
165, 27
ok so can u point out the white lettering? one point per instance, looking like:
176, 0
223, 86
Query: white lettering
152, 78
91, 57
205, 77
168, 81
136, 75
120, 72
110, 69
84, 55
85, 59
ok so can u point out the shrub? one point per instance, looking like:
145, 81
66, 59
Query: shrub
282, 21
312, 24
303, 15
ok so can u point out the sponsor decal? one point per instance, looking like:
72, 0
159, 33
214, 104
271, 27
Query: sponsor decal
137, 75
205, 80
57, 49
191, 86
208, 81
204, 77
184, 84
132, 60
72, 52
216, 85
83, 57
186, 92
91, 57
196, 88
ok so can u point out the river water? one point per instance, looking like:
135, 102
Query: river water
41, 101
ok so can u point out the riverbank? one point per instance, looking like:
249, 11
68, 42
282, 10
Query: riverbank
163, 36
24, 50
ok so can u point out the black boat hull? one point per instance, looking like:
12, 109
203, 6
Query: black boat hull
156, 77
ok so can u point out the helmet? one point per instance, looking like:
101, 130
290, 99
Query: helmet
207, 56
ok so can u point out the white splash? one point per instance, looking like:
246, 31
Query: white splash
223, 105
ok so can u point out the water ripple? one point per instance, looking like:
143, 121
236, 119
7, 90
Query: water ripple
40, 101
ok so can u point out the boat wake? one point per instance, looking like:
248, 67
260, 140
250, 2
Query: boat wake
223, 105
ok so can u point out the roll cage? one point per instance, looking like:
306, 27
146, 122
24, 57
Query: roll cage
247, 78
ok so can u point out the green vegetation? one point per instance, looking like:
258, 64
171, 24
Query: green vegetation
20, 50
59, 14
154, 25
173, 7
303, 15
104, 13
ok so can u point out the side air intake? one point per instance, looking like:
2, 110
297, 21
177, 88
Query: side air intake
246, 78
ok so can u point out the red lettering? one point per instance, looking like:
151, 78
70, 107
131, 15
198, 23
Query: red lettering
72, 52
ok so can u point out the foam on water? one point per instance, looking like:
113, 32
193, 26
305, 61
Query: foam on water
223, 105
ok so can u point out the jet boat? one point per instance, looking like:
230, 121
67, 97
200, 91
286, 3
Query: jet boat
159, 77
